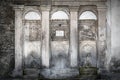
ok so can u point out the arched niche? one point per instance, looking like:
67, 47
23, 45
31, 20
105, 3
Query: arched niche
59, 15
87, 15
32, 15
32, 38
59, 31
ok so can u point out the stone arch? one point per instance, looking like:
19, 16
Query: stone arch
32, 16
87, 47
88, 43
91, 8
87, 15
63, 11
28, 10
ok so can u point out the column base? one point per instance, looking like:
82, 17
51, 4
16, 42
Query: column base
17, 73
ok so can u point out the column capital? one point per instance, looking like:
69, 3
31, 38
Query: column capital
18, 7
74, 8
45, 7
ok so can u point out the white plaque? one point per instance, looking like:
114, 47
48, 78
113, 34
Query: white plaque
60, 33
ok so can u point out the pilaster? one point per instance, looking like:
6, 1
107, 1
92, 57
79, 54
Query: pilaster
73, 36
18, 41
45, 36
102, 29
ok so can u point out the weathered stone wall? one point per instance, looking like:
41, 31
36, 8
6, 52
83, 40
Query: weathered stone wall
113, 18
7, 35
6, 38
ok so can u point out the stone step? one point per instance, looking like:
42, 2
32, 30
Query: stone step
31, 76
31, 73
88, 77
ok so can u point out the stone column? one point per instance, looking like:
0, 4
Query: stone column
18, 41
73, 36
45, 36
102, 36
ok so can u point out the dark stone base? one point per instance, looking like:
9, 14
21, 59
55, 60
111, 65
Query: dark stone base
107, 76
59, 73
86, 73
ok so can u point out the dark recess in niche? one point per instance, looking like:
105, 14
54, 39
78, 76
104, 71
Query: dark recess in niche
60, 25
